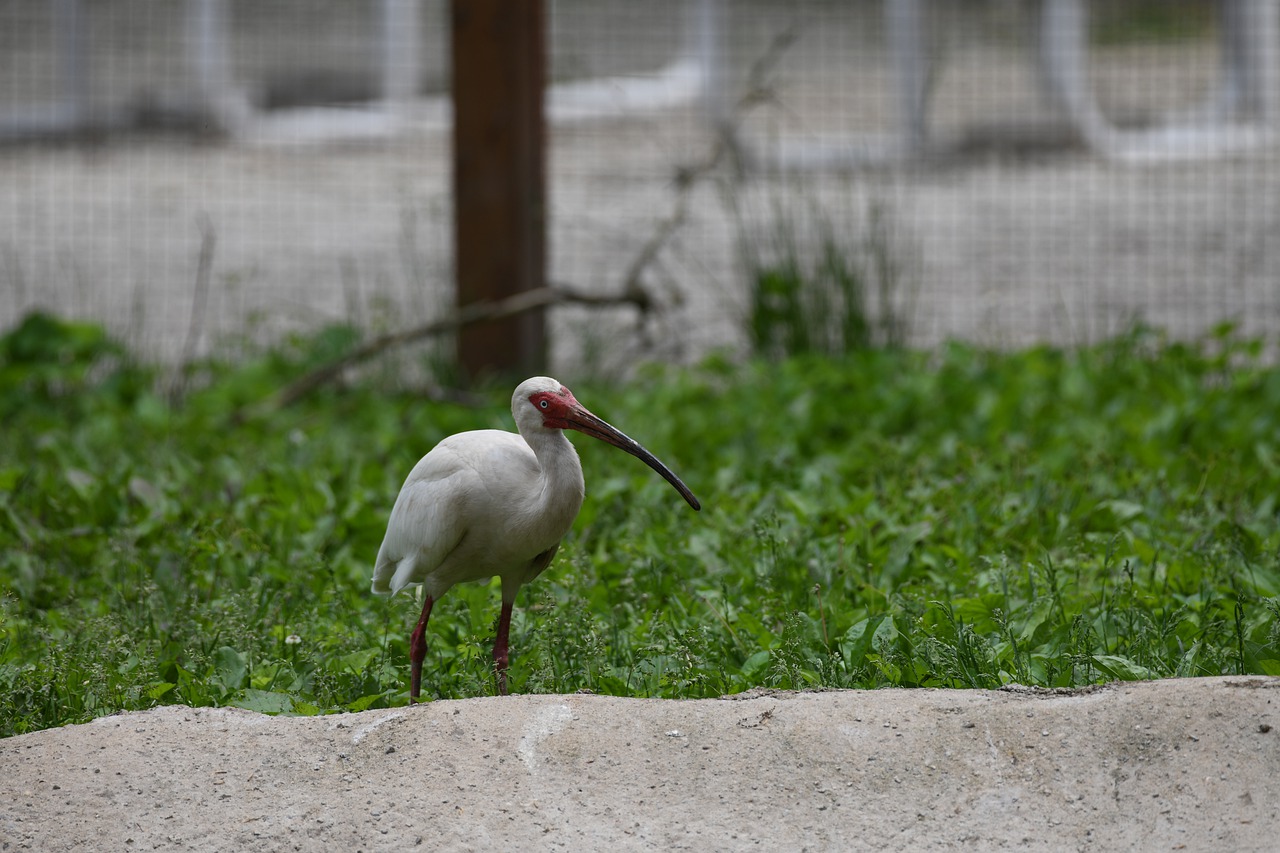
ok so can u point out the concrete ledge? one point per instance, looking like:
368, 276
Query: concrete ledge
1178, 764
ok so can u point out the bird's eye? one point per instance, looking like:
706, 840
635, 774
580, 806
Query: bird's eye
542, 404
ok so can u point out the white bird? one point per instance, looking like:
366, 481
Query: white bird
489, 502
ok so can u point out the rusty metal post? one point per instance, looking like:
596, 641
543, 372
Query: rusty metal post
499, 166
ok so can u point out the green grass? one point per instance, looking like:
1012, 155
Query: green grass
958, 518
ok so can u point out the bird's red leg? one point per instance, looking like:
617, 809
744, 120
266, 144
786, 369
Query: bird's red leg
418, 649
500, 647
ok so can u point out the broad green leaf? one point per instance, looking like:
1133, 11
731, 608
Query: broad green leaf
1121, 668
229, 668
263, 701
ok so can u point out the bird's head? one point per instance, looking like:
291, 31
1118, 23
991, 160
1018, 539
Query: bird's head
555, 405
542, 403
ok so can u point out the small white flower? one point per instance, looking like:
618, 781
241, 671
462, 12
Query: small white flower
292, 640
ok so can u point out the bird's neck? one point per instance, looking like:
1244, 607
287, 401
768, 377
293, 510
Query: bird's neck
561, 474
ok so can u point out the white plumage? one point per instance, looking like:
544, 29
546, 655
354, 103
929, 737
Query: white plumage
490, 502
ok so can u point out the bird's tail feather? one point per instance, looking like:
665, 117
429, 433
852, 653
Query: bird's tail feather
391, 576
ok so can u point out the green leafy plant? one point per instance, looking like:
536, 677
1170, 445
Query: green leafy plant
957, 518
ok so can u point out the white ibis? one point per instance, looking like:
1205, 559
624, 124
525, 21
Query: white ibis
489, 502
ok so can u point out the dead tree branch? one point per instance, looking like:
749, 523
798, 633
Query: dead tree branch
725, 146
199, 304
479, 312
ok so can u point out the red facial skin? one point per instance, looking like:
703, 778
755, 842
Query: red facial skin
557, 407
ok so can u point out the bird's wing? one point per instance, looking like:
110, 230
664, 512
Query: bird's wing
425, 524
467, 481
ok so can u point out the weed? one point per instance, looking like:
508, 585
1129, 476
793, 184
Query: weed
845, 294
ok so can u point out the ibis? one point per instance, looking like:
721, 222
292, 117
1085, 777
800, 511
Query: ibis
492, 503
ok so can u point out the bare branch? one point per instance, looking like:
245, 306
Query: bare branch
199, 302
479, 312
725, 145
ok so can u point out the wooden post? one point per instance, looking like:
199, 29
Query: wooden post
499, 65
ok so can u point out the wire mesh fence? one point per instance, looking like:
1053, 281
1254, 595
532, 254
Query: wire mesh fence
980, 175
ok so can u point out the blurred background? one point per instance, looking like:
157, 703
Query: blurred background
207, 175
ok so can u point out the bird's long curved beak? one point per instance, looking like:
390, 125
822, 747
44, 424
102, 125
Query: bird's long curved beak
583, 421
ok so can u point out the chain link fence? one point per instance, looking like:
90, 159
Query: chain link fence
694, 149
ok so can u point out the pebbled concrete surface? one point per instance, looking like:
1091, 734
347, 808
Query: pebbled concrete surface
1165, 765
